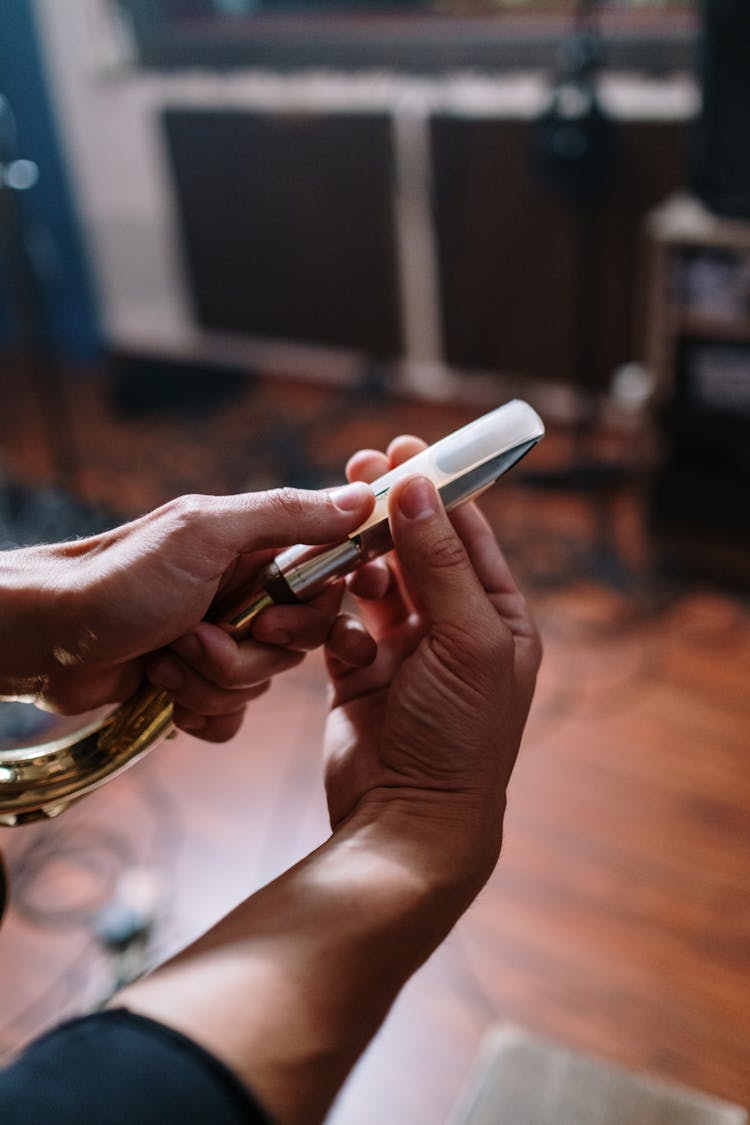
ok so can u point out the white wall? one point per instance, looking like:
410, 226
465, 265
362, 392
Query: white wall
116, 163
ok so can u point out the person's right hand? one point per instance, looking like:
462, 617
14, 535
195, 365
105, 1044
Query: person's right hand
420, 746
429, 732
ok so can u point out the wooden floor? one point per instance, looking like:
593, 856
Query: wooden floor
618, 921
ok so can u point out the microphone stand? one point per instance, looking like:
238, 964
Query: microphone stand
573, 150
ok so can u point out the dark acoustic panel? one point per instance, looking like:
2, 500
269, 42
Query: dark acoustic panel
723, 136
287, 224
699, 495
513, 252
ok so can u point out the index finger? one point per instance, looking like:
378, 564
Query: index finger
433, 554
483, 549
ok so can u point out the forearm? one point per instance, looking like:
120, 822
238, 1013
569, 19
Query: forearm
290, 987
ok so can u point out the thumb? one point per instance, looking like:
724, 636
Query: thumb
285, 516
435, 559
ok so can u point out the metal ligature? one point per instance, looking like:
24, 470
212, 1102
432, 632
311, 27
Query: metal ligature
41, 779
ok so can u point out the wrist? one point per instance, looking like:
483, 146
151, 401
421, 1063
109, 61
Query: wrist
36, 599
450, 841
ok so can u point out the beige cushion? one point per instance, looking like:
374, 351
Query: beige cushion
521, 1080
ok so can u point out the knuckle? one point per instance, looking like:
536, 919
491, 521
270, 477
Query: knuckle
69, 699
61, 704
457, 645
212, 703
182, 518
220, 732
226, 677
447, 553
226, 727
471, 651
500, 646
524, 626
189, 537
536, 645
184, 510
221, 684
288, 501
313, 637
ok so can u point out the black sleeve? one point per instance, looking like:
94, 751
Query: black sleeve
117, 1068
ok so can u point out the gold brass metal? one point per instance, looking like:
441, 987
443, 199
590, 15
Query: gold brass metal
38, 782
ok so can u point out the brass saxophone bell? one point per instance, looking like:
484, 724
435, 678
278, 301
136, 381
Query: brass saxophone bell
41, 780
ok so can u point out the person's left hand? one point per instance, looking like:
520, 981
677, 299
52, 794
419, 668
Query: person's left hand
90, 619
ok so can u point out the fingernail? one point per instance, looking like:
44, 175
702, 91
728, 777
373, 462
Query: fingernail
189, 648
167, 674
418, 499
351, 496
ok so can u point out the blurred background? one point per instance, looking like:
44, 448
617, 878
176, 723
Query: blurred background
240, 239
